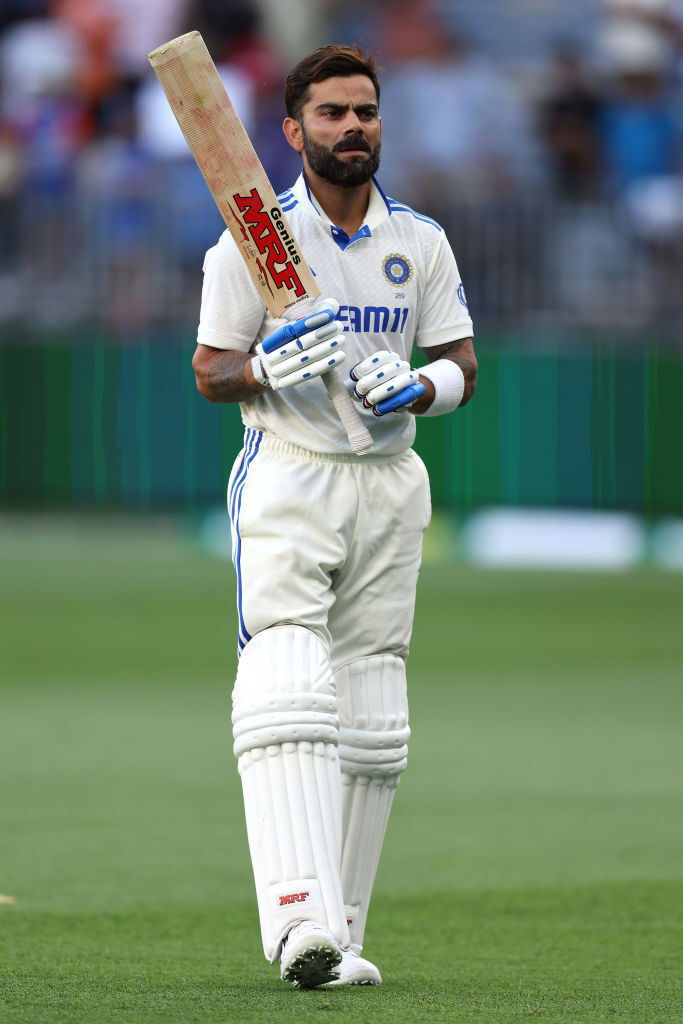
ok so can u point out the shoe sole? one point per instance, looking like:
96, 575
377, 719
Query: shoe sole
314, 965
338, 983
347, 984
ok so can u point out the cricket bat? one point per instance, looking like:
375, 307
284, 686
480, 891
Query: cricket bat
243, 194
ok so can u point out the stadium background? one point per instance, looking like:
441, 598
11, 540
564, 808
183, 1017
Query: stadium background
538, 830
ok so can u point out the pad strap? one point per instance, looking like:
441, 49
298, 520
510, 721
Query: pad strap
285, 718
373, 716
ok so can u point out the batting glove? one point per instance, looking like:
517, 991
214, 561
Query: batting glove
301, 350
385, 383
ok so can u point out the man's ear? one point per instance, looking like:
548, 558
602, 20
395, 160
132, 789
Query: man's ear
293, 133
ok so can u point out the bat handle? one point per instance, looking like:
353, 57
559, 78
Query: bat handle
358, 434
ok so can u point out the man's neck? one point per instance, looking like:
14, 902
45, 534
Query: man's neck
346, 207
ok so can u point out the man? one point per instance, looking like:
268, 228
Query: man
326, 545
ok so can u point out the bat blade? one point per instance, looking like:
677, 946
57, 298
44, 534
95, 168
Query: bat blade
238, 183
233, 172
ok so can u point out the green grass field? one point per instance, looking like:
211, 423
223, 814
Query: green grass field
533, 863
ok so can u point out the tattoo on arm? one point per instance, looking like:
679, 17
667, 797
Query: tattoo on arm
224, 375
462, 353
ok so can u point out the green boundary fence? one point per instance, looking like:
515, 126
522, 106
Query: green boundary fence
85, 423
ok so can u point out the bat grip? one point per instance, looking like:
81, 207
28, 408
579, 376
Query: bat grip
359, 436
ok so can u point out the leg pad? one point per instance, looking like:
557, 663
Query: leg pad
286, 733
374, 732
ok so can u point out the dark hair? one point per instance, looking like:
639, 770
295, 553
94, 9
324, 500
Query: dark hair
326, 62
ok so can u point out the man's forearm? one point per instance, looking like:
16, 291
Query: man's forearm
225, 375
460, 352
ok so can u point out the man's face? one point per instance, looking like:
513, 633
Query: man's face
341, 130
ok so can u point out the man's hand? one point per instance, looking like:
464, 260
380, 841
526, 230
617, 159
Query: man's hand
385, 383
301, 350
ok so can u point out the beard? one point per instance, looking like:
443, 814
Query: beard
345, 173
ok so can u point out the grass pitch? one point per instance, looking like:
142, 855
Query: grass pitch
533, 863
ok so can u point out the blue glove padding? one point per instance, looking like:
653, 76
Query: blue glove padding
289, 332
301, 350
404, 397
384, 382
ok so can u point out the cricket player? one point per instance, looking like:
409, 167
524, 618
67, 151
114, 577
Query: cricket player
326, 544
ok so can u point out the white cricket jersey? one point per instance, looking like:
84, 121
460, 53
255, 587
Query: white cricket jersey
397, 283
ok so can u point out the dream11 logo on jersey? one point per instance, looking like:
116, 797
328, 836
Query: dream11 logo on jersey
271, 238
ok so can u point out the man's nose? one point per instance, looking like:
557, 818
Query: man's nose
352, 123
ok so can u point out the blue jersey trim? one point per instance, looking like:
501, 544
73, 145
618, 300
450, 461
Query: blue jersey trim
284, 197
384, 196
340, 238
286, 208
310, 197
401, 208
343, 240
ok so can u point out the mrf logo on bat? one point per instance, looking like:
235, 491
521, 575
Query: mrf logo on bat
273, 242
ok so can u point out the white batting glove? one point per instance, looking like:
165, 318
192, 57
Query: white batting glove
385, 383
301, 350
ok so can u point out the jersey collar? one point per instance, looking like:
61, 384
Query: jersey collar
377, 212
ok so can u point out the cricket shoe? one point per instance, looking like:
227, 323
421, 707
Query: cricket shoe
355, 970
309, 955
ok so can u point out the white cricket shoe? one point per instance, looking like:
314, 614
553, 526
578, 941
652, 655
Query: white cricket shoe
309, 955
355, 970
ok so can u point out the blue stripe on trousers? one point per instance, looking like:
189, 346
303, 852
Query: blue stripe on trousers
248, 434
251, 451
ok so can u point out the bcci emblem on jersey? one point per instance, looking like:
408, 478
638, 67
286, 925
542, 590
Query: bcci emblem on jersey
397, 269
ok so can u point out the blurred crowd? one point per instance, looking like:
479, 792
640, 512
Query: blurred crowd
546, 137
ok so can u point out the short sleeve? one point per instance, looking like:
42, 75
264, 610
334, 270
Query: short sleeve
444, 315
232, 310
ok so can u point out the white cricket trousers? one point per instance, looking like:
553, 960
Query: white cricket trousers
327, 552
329, 542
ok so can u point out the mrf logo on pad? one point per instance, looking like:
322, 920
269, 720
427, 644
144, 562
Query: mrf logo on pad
290, 897
293, 897
268, 231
